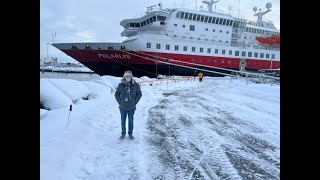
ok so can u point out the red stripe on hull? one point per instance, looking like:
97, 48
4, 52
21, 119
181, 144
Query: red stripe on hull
120, 56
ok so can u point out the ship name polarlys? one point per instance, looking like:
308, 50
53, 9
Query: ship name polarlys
114, 56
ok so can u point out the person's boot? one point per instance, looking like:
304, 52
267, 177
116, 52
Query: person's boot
122, 136
131, 137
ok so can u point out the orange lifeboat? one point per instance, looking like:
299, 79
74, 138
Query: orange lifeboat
273, 39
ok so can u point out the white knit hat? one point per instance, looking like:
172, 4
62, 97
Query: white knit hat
128, 73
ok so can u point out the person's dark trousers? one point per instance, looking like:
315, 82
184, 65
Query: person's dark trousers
200, 79
124, 114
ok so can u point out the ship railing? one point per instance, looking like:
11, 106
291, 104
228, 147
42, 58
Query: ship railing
167, 80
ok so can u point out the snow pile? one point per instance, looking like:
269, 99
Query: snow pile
43, 112
75, 90
51, 97
145, 78
114, 81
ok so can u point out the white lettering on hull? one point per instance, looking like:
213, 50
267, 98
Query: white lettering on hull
114, 56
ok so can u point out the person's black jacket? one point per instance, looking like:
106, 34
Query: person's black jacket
122, 94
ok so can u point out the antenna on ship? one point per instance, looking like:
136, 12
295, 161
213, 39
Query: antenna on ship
53, 36
260, 14
210, 3
149, 9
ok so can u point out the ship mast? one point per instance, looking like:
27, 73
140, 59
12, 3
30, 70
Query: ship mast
260, 14
210, 3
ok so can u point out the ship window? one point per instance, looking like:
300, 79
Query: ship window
255, 54
192, 60
231, 22
245, 37
183, 26
243, 54
201, 49
273, 56
167, 47
223, 51
88, 47
224, 22
267, 56
227, 41
122, 47
213, 30
236, 53
209, 50
249, 54
110, 47
215, 61
206, 19
191, 37
230, 52
158, 46
208, 60
213, 20
227, 23
206, 39
198, 17
186, 15
247, 29
194, 17
178, 14
190, 16
210, 19
148, 45
161, 18
216, 51
99, 47
185, 48
74, 47
198, 38
154, 18
200, 60
220, 31
175, 25
192, 27
181, 15
176, 47
183, 37
202, 18
229, 62
261, 55
227, 32
217, 20
220, 22
206, 29
222, 61
193, 49
220, 41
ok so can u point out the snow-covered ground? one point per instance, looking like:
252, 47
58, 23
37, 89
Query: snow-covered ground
217, 129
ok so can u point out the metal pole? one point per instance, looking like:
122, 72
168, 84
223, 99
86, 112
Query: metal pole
271, 64
47, 52
156, 69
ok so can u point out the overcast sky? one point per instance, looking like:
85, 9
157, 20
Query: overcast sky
99, 20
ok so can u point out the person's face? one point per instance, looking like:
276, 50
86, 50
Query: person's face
128, 78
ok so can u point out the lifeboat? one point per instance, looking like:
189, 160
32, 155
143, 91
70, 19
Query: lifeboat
273, 39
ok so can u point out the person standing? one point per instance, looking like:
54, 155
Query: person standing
128, 94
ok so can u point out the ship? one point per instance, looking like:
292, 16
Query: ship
180, 41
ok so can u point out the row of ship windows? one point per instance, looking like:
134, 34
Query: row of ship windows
216, 51
203, 18
192, 28
259, 31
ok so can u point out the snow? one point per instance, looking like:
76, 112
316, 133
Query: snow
222, 128
52, 97
75, 90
